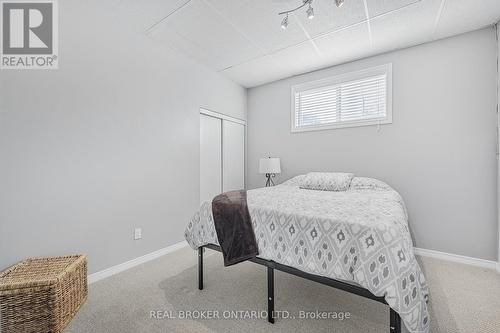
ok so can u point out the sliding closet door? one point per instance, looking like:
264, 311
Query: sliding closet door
233, 143
210, 157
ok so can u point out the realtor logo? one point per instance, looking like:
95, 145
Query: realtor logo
29, 34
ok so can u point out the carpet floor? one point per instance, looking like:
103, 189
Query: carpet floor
159, 296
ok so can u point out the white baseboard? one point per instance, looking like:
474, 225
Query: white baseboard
156, 254
134, 262
458, 258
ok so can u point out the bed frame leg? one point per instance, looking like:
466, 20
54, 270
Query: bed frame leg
395, 322
200, 268
270, 295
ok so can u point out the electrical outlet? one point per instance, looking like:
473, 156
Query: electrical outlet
137, 233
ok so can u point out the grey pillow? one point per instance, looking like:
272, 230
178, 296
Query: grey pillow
326, 181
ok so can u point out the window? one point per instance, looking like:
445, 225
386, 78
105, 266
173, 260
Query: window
353, 99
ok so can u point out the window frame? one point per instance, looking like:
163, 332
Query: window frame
337, 80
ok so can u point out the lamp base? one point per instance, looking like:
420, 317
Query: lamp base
270, 181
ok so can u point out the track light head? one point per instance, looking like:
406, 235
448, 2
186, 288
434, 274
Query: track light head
284, 23
310, 12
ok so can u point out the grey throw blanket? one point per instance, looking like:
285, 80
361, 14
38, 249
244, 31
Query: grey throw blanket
234, 227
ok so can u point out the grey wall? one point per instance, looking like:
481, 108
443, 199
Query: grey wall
439, 153
107, 142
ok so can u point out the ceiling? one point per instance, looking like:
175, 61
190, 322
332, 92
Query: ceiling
243, 39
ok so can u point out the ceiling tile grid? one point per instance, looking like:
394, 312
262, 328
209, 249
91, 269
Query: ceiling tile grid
345, 45
410, 25
140, 15
379, 7
243, 39
213, 35
259, 21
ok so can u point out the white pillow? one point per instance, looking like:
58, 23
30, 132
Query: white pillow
365, 183
326, 181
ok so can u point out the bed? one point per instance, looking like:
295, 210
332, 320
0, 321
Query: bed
355, 240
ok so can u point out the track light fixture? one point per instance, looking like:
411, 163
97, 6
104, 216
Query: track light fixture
309, 11
284, 23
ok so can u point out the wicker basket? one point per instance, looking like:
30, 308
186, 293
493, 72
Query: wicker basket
42, 295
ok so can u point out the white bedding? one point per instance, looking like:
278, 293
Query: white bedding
359, 235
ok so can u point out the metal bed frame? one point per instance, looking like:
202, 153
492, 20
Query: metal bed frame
395, 319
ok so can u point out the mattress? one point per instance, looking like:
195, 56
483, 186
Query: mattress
360, 235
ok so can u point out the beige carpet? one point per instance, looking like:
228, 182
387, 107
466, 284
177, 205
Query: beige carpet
463, 299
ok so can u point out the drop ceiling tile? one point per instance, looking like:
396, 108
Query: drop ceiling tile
344, 45
245, 37
208, 32
140, 15
327, 17
256, 72
378, 7
299, 58
408, 26
460, 16
259, 21
330, 49
172, 40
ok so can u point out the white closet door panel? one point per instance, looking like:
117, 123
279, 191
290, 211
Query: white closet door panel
233, 143
210, 157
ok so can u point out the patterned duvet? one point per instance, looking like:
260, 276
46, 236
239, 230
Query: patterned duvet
360, 235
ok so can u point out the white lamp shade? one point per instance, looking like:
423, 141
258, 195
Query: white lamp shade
269, 165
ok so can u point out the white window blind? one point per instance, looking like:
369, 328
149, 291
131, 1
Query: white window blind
355, 99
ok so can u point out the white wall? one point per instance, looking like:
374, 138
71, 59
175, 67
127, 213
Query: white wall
498, 137
107, 142
439, 153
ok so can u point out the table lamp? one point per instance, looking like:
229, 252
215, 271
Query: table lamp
270, 166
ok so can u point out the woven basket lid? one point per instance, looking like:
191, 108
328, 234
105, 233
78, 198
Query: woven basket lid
35, 272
